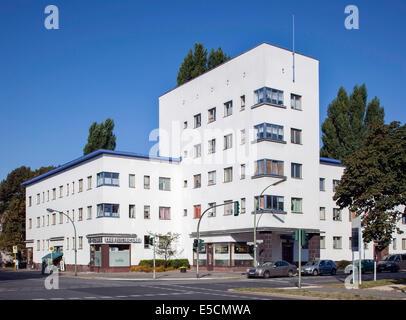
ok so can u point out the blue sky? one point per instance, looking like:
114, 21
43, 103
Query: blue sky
115, 58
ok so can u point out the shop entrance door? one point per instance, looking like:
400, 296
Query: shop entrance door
287, 251
209, 251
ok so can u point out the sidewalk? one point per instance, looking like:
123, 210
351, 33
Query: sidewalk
167, 275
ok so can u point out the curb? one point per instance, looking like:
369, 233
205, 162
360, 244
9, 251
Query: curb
145, 279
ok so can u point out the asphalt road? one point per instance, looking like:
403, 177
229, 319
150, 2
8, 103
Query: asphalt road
30, 286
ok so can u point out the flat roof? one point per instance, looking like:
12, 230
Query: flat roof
95, 154
331, 161
267, 43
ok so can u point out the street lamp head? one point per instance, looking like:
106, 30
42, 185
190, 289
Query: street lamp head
50, 210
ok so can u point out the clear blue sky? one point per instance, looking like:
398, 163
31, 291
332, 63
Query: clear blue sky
114, 58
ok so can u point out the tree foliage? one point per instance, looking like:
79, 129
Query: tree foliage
374, 182
12, 206
348, 121
165, 245
101, 136
196, 62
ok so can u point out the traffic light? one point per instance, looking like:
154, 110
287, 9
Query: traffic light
201, 245
195, 244
304, 240
151, 241
295, 235
236, 208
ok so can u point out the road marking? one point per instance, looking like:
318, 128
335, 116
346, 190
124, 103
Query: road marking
89, 298
105, 297
121, 296
75, 298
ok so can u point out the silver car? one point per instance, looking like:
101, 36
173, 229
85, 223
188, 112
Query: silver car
268, 269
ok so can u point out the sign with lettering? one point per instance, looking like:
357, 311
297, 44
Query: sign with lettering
114, 240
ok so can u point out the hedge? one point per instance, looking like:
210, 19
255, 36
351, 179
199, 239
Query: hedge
175, 263
342, 264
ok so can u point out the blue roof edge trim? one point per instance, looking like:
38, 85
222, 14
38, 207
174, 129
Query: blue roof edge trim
95, 154
328, 160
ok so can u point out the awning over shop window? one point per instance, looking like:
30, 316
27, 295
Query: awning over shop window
54, 256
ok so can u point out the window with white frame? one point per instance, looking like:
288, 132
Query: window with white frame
80, 243
147, 182
228, 208
38, 198
185, 212
242, 102
295, 136
67, 189
197, 179
212, 146
29, 201
295, 102
60, 218
335, 184
185, 183
296, 205
242, 135
89, 212
228, 141
212, 212
164, 213
38, 222
197, 120
242, 171
184, 124
322, 213
268, 95
228, 174
198, 150
106, 179
322, 242
243, 205
337, 243
131, 211
30, 223
212, 115
164, 184
211, 177
110, 210
53, 193
89, 182
337, 214
131, 180
147, 211
60, 191
322, 184
296, 170
80, 215
228, 108
197, 211
80, 185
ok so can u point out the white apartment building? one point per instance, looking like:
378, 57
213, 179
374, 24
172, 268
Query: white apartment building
244, 128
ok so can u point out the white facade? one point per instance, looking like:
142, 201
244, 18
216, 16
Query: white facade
185, 123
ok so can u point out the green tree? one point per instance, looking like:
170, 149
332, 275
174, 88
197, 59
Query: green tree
165, 245
196, 62
348, 121
12, 206
374, 182
101, 136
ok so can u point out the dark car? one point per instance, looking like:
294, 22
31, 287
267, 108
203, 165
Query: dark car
367, 265
392, 263
317, 267
268, 269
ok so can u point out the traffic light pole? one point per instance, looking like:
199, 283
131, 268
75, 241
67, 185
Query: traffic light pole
198, 234
154, 258
300, 258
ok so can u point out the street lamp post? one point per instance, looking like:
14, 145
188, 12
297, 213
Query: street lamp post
255, 218
74, 229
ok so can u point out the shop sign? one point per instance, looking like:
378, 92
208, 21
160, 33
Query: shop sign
113, 240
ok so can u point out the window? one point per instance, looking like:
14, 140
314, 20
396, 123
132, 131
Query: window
38, 245
228, 208
198, 150
164, 184
228, 141
131, 180
198, 120
242, 101
336, 214
80, 242
404, 244
80, 185
30, 223
269, 202
164, 213
131, 211
197, 178
89, 182
296, 205
243, 205
73, 187
106, 179
268, 95
184, 124
60, 192
108, 210
322, 242
43, 220
73, 214
53, 193
185, 183
185, 212
38, 198
350, 243
242, 134
29, 201
404, 218
212, 146
60, 218
335, 184
197, 211
295, 102
296, 170
147, 210
269, 131
67, 213
146, 242
228, 174
212, 212
394, 245
146, 182
54, 219
296, 136
38, 222
89, 212
67, 189
228, 108
322, 213
322, 184
242, 171
80, 218
43, 197
212, 115
48, 195
212, 178
337, 243
268, 167
185, 153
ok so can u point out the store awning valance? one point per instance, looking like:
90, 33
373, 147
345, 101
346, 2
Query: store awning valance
55, 255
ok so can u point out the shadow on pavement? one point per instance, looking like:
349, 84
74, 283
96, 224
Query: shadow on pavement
20, 275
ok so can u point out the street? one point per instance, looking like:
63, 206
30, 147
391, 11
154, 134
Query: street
30, 286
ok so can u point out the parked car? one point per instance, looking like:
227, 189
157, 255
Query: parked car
367, 265
392, 263
272, 269
317, 267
